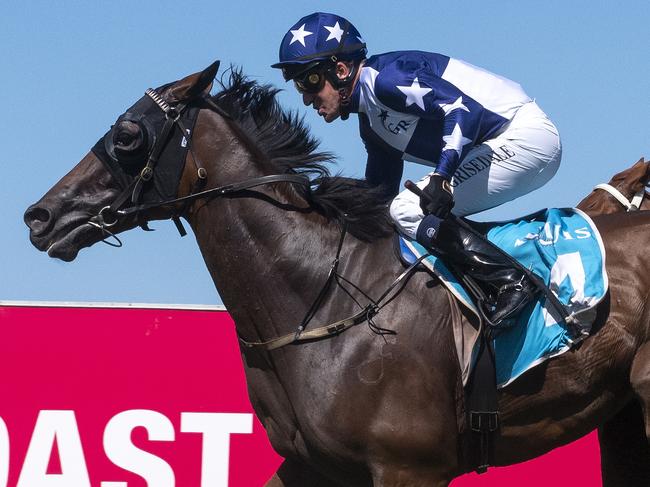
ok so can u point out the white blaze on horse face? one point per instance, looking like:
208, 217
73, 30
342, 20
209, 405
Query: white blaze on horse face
51, 426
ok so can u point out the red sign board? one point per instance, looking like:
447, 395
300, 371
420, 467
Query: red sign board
109, 396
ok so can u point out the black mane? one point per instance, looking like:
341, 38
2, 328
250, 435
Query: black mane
283, 139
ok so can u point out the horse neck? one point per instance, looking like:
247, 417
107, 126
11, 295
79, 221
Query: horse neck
267, 262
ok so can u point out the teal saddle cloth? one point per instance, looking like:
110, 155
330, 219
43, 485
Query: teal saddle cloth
563, 247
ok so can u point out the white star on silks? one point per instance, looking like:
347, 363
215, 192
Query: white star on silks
299, 35
414, 93
450, 107
335, 32
455, 141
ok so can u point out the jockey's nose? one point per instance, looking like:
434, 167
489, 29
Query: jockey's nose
307, 98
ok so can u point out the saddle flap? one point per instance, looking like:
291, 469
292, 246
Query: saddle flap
562, 247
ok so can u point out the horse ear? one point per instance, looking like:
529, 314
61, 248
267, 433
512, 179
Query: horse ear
646, 164
636, 177
193, 85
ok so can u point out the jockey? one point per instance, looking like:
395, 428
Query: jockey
487, 141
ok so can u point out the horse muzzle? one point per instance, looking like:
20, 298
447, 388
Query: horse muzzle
61, 238
40, 221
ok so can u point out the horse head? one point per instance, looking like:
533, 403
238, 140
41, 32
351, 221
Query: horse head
148, 166
141, 159
625, 189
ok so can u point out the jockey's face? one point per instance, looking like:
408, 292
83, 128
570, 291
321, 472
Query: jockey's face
326, 101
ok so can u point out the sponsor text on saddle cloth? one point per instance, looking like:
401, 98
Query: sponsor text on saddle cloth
563, 247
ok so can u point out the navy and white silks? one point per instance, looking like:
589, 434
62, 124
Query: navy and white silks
478, 129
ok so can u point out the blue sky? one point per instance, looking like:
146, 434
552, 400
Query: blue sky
71, 67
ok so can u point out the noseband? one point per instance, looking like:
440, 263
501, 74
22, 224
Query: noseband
111, 214
633, 205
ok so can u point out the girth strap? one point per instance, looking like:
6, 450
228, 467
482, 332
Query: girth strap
482, 407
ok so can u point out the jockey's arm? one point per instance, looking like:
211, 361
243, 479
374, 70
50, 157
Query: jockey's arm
458, 131
442, 110
384, 171
385, 164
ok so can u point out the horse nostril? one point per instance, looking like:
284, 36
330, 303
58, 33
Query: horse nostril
38, 219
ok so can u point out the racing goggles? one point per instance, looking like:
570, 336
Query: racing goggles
310, 82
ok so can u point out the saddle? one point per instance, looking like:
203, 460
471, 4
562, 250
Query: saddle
562, 247
561, 251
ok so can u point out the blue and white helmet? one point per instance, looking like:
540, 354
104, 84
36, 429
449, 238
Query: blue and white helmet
319, 37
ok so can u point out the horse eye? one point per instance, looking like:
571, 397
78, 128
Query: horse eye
124, 138
128, 136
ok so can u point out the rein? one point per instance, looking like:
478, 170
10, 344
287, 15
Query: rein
366, 313
110, 215
225, 190
632, 205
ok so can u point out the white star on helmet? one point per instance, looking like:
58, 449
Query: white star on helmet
299, 35
335, 31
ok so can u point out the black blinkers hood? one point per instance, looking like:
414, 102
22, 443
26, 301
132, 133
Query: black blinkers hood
169, 168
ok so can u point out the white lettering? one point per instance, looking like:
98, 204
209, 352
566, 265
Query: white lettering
120, 450
551, 235
51, 426
58, 431
4, 453
216, 429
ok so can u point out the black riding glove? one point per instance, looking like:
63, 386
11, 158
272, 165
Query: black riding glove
439, 201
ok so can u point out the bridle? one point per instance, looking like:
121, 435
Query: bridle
111, 214
632, 205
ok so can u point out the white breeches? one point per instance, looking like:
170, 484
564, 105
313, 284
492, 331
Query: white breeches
524, 157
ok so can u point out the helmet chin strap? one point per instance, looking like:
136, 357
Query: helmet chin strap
343, 86
344, 103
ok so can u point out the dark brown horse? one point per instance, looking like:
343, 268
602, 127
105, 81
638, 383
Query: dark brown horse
359, 408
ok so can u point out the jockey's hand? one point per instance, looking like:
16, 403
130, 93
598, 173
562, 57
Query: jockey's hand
439, 201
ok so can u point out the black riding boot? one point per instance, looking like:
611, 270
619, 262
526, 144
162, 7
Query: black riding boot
505, 285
